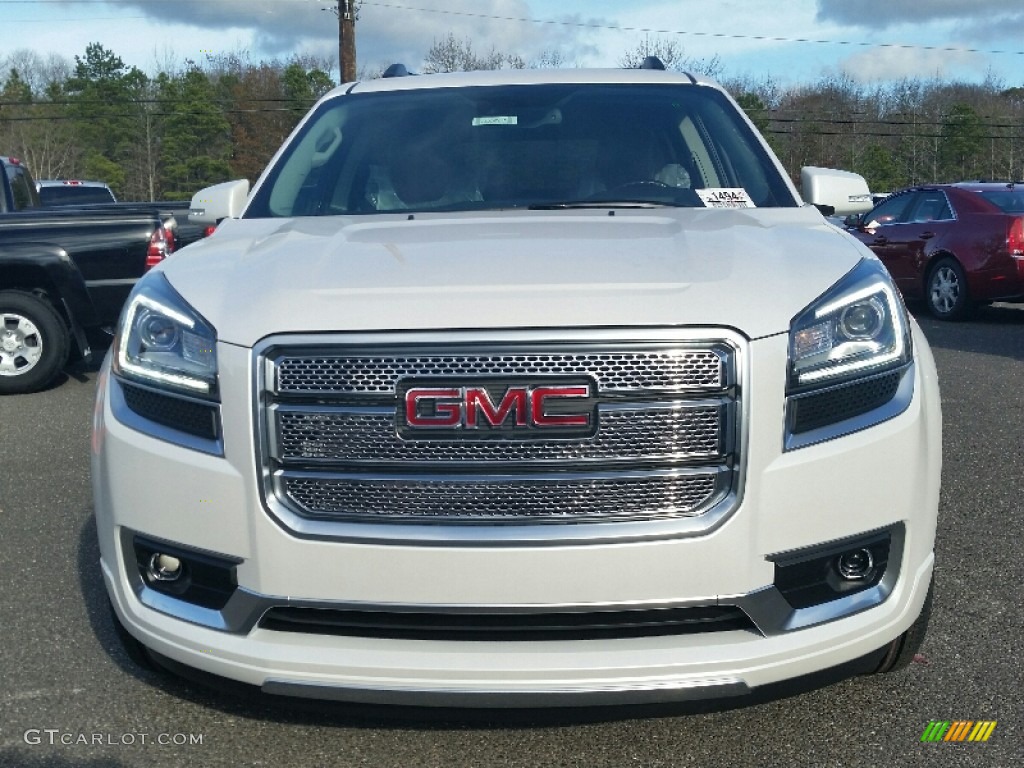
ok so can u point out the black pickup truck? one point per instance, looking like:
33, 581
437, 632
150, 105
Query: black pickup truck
64, 275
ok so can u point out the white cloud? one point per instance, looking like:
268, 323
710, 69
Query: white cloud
388, 33
896, 63
756, 38
878, 14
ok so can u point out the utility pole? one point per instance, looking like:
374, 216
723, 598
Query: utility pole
347, 40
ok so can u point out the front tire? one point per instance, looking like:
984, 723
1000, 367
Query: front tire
34, 342
136, 652
946, 291
901, 651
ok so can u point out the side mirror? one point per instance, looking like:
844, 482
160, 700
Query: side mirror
853, 221
221, 201
846, 192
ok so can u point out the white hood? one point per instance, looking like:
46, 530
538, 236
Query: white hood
747, 269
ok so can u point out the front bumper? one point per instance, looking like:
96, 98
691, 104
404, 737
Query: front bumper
791, 500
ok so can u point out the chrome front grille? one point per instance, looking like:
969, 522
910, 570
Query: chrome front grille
331, 454
513, 499
669, 369
628, 434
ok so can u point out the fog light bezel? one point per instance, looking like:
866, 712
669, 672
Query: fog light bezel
811, 577
208, 580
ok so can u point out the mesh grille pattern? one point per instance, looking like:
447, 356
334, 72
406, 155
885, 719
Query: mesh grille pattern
193, 418
842, 403
541, 500
667, 414
674, 370
627, 434
508, 627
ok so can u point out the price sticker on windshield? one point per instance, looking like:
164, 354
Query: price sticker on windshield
725, 198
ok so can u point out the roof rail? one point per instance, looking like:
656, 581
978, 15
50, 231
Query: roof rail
652, 62
396, 70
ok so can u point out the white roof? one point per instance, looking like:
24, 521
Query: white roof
520, 77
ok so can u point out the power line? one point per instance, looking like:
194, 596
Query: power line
606, 27
692, 33
774, 115
161, 101
109, 116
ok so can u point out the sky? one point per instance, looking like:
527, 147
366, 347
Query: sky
788, 42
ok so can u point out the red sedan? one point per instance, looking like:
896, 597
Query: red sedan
952, 245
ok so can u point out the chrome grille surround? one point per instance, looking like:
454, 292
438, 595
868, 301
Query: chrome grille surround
666, 461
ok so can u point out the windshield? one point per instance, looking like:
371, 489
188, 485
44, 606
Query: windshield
478, 148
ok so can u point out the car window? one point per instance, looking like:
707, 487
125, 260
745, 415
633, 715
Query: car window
892, 211
930, 206
74, 195
22, 188
1009, 200
516, 146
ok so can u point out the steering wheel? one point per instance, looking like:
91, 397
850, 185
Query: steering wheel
639, 188
650, 190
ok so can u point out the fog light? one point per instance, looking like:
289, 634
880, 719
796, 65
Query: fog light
202, 578
164, 567
855, 565
817, 574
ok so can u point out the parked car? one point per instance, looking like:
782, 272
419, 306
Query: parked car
64, 275
174, 215
952, 245
519, 388
73, 192
57, 192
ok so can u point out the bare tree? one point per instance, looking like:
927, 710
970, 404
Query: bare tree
672, 55
454, 55
549, 59
31, 126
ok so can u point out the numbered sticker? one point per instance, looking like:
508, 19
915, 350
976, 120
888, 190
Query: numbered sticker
725, 198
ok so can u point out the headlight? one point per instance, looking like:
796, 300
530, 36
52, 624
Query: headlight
858, 328
850, 359
161, 341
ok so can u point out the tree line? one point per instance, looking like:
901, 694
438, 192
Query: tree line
164, 136
159, 137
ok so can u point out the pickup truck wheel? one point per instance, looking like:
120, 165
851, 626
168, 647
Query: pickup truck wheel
947, 291
901, 651
34, 342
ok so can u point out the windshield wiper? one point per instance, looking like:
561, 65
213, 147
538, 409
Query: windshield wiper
554, 206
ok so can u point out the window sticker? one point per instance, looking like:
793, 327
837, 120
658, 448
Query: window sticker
725, 198
496, 120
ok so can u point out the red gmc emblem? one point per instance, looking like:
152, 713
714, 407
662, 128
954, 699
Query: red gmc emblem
511, 409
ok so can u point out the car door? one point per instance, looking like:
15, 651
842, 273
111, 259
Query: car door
927, 220
883, 231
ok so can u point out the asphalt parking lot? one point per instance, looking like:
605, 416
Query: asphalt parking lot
70, 698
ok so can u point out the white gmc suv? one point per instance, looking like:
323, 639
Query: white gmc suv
518, 389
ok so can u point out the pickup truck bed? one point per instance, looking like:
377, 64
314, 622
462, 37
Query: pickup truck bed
64, 275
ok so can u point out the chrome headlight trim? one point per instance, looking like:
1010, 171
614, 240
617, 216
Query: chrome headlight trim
852, 337
163, 342
859, 327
